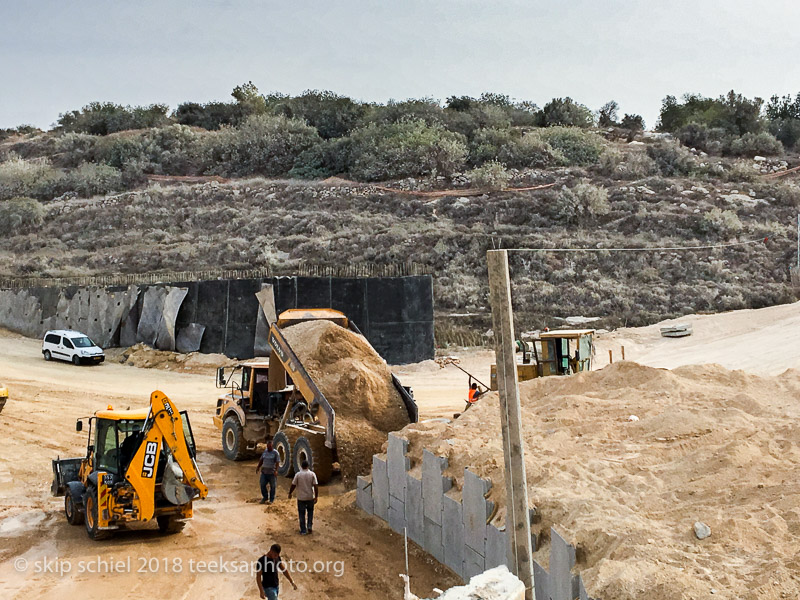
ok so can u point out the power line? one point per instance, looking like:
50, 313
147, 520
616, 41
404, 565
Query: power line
648, 249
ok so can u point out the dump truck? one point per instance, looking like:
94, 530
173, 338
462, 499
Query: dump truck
276, 399
557, 352
139, 466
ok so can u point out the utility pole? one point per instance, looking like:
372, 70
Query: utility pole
517, 519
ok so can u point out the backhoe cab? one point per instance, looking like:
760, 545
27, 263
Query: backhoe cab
139, 466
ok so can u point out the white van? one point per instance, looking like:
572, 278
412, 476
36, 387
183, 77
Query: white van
72, 346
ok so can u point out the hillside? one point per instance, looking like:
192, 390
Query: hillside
255, 222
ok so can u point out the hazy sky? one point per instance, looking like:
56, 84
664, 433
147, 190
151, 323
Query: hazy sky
57, 55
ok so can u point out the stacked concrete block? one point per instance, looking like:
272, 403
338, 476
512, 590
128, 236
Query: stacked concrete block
397, 465
190, 337
434, 486
364, 494
453, 534
497, 547
380, 488
415, 519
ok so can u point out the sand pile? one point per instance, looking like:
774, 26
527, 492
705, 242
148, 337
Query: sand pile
145, 357
710, 445
357, 383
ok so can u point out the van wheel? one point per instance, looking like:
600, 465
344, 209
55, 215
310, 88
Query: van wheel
169, 524
47, 355
233, 443
76, 360
90, 502
319, 457
74, 516
284, 449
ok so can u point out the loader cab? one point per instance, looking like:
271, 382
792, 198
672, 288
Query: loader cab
117, 437
557, 352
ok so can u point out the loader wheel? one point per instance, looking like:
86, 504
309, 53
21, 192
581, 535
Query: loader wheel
233, 443
169, 525
90, 502
319, 457
74, 516
47, 355
284, 449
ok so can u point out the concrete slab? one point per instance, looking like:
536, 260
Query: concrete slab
497, 548
476, 511
129, 325
453, 534
414, 516
364, 494
189, 338
474, 563
433, 539
165, 339
434, 485
266, 316
562, 559
541, 582
380, 488
397, 514
150, 316
578, 589
398, 465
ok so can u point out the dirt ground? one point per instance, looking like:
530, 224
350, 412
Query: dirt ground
38, 424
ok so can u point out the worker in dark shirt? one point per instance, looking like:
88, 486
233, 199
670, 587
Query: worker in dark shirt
269, 566
268, 467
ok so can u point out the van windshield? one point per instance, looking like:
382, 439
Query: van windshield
82, 342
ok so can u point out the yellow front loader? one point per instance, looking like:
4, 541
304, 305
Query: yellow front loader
139, 466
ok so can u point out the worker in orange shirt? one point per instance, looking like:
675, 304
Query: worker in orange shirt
473, 394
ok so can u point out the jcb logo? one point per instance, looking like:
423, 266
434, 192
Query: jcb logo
149, 459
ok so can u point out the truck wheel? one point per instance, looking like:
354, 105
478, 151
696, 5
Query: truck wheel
90, 502
319, 457
233, 443
169, 524
47, 355
284, 449
74, 516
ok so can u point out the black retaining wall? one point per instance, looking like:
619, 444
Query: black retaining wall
394, 313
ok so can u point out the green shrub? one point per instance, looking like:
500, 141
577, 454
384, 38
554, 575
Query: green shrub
73, 149
331, 157
91, 179
491, 175
581, 203
752, 144
515, 151
741, 170
33, 178
565, 112
628, 165
671, 159
209, 116
332, 115
409, 148
263, 145
19, 213
423, 109
102, 118
723, 223
578, 147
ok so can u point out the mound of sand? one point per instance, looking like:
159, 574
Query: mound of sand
710, 445
145, 357
358, 385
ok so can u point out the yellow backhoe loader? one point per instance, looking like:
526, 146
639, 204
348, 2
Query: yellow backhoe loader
139, 466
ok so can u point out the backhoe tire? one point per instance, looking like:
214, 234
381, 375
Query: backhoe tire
47, 355
320, 459
169, 525
90, 504
283, 447
233, 443
74, 516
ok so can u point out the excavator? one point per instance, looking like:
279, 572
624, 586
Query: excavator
139, 466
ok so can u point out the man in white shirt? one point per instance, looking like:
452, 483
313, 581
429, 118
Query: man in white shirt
305, 482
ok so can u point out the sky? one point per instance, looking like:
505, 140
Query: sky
59, 55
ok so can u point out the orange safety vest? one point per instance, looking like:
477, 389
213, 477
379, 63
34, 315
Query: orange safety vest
472, 395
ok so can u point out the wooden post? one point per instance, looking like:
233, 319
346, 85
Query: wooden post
610, 357
517, 518
623, 352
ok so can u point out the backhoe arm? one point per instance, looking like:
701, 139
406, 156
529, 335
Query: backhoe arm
163, 424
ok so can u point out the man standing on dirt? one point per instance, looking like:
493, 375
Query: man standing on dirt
307, 493
269, 566
268, 465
